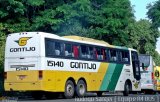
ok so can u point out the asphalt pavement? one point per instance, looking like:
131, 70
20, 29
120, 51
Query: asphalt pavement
90, 97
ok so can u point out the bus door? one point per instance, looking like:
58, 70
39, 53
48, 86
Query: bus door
135, 65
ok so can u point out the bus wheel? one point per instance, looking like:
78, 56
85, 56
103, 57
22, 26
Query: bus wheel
69, 89
81, 88
126, 89
37, 95
99, 94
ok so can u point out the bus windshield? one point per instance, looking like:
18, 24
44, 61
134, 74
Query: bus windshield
144, 59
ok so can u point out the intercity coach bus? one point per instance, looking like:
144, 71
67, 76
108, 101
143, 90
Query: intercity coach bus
147, 74
44, 63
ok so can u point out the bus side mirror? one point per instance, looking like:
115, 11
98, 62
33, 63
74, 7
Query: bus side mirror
143, 66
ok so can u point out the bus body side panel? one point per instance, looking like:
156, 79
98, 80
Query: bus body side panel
127, 74
104, 79
76, 69
111, 77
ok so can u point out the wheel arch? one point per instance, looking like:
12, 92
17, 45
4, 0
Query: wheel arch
72, 79
129, 83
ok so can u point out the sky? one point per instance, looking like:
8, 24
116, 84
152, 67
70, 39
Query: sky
140, 13
140, 8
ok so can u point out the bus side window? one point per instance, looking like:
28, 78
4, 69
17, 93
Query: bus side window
113, 55
96, 53
124, 56
76, 51
49, 48
68, 50
99, 54
58, 49
104, 54
91, 52
84, 51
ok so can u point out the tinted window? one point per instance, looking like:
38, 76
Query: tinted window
74, 50
113, 55
144, 59
104, 52
91, 52
84, 51
124, 56
58, 49
53, 48
100, 53
49, 48
135, 64
68, 50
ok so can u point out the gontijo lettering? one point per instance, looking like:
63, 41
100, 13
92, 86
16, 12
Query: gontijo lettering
22, 42
22, 49
81, 65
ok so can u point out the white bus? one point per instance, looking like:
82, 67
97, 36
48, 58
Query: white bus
147, 73
44, 63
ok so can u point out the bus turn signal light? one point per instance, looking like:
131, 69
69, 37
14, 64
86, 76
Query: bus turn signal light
40, 74
152, 75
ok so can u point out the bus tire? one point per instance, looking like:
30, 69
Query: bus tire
99, 94
81, 88
69, 89
126, 89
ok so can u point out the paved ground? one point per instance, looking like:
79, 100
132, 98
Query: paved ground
92, 98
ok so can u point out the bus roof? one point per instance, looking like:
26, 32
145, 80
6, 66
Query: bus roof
75, 39
86, 39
